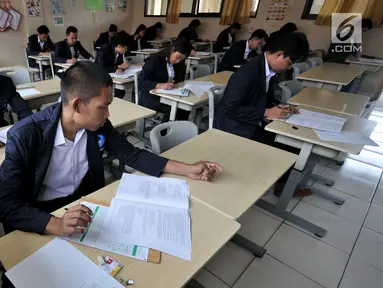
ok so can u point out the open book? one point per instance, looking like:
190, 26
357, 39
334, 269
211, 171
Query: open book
151, 212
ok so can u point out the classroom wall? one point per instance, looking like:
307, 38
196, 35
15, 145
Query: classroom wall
319, 36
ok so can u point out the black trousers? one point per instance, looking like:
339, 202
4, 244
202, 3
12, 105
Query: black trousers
119, 93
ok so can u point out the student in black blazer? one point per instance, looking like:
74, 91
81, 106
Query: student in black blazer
241, 51
190, 32
106, 37
39, 44
136, 37
68, 50
248, 98
161, 71
111, 57
151, 34
27, 173
226, 37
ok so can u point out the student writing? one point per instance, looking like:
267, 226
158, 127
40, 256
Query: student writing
226, 37
106, 37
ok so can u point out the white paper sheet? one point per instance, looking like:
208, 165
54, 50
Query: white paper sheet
178, 92
159, 227
150, 50
198, 87
91, 236
28, 92
127, 73
346, 137
58, 264
318, 121
3, 134
158, 191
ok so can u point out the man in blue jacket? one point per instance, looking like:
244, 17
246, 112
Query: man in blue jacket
55, 156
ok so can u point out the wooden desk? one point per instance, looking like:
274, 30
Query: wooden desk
160, 43
49, 93
332, 76
192, 103
346, 103
210, 232
146, 52
203, 45
250, 169
369, 64
42, 61
312, 148
202, 59
64, 66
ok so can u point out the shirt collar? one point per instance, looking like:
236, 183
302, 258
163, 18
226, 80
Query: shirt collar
39, 40
247, 46
60, 139
268, 71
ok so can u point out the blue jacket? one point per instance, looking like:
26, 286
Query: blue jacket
28, 152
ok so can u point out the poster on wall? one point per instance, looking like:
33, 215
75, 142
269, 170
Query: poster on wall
94, 4
34, 8
57, 7
277, 9
58, 21
73, 3
93, 15
122, 4
109, 5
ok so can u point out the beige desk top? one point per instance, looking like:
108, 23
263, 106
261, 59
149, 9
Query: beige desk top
159, 41
146, 51
63, 65
353, 124
46, 88
200, 43
250, 169
210, 231
220, 78
347, 103
39, 57
364, 61
201, 57
334, 73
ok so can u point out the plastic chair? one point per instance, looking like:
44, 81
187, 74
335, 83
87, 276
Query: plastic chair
289, 89
314, 61
136, 95
299, 68
177, 132
32, 71
198, 71
19, 75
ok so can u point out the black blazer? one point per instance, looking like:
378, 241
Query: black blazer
28, 152
150, 35
234, 56
155, 71
189, 33
9, 96
245, 100
106, 58
34, 46
62, 51
102, 40
223, 40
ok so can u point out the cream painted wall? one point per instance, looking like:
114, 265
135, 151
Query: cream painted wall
319, 36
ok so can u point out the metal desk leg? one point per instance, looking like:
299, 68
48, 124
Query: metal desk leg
173, 111
245, 243
337, 200
194, 284
322, 180
41, 71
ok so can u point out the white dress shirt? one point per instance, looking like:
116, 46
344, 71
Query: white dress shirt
68, 166
171, 72
269, 73
71, 48
247, 51
41, 43
230, 38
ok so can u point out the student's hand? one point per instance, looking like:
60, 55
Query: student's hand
71, 61
43, 53
74, 221
136, 37
166, 86
204, 170
124, 65
119, 71
193, 52
277, 113
291, 109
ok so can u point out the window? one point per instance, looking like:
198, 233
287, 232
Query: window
254, 8
156, 7
312, 9
205, 8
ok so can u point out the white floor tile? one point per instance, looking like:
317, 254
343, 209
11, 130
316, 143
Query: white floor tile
359, 275
378, 197
341, 233
257, 226
208, 280
229, 264
133, 140
319, 167
271, 198
353, 208
267, 272
368, 157
369, 248
315, 259
355, 178
374, 219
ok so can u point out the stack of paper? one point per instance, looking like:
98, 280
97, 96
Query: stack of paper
346, 137
151, 212
198, 88
59, 264
318, 121
3, 134
177, 92
127, 73
28, 92
199, 53
150, 50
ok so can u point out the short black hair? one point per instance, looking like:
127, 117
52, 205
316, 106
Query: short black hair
236, 25
71, 29
158, 25
181, 45
43, 30
194, 23
294, 45
289, 28
259, 33
367, 23
140, 28
121, 38
84, 79
112, 28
